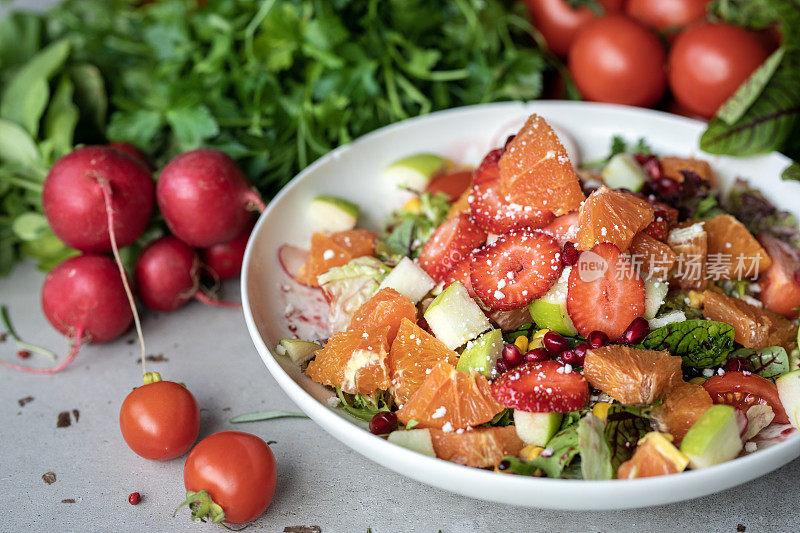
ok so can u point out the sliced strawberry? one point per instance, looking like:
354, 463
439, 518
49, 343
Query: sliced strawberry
563, 228
460, 272
452, 242
495, 214
780, 287
605, 293
662, 210
547, 387
658, 229
518, 267
489, 160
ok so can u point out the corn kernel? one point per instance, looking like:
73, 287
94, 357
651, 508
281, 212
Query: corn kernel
530, 452
600, 410
699, 380
413, 206
696, 299
537, 341
522, 343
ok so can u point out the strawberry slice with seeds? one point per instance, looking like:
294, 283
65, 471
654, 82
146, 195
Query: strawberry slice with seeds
518, 267
494, 213
605, 293
547, 387
450, 244
460, 272
658, 229
563, 228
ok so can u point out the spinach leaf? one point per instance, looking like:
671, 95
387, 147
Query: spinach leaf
701, 343
770, 363
623, 431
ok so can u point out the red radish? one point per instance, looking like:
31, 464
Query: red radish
225, 260
168, 275
84, 299
518, 267
132, 151
292, 259
450, 244
205, 198
73, 198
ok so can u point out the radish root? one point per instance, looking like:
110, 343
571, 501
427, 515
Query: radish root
71, 357
255, 202
202, 297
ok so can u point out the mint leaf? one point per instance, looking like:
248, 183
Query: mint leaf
623, 431
594, 450
701, 343
770, 363
747, 93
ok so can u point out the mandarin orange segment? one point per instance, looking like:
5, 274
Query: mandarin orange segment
387, 307
354, 361
690, 244
480, 448
671, 168
357, 242
414, 352
655, 456
631, 375
652, 257
449, 399
612, 216
535, 170
753, 326
323, 255
682, 407
733, 252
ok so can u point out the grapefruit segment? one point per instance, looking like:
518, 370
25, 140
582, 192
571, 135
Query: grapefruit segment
651, 257
612, 216
753, 326
682, 407
728, 241
387, 307
335, 250
655, 456
690, 244
480, 448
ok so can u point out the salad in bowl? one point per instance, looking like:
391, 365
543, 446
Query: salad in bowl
622, 319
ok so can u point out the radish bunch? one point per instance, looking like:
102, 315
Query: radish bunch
100, 198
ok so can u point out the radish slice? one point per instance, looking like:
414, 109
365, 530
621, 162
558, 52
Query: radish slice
292, 258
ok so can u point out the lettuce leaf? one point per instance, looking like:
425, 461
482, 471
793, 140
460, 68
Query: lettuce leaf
594, 449
771, 362
560, 451
623, 431
701, 343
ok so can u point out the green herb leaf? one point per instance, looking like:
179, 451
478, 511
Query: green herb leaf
747, 93
16, 145
61, 120
770, 363
192, 125
701, 343
259, 416
594, 450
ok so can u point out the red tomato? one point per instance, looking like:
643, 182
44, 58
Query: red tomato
708, 63
667, 15
559, 23
237, 469
160, 420
616, 59
452, 183
744, 389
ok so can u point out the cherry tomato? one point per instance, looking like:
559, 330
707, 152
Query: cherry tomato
237, 469
708, 62
667, 15
559, 23
616, 59
744, 389
452, 183
160, 420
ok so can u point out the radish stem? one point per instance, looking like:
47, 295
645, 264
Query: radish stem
22, 344
255, 201
73, 352
202, 297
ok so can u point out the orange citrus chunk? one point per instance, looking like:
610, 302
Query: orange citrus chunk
449, 400
357, 242
733, 252
682, 407
612, 216
651, 257
631, 375
479, 448
655, 456
335, 250
354, 361
672, 166
753, 326
413, 354
387, 307
690, 244
535, 170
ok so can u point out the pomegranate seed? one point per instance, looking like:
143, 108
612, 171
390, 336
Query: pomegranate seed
597, 339
636, 332
569, 254
555, 343
581, 349
501, 366
737, 364
652, 166
134, 498
503, 465
383, 423
508, 141
23, 354
797, 276
668, 187
537, 355
574, 357
512, 355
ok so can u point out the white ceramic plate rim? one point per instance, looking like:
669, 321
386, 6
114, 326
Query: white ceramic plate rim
488, 485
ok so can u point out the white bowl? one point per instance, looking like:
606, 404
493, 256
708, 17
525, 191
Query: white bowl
465, 134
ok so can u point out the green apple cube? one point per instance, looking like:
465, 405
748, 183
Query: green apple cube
713, 439
415, 171
482, 353
418, 440
409, 279
536, 428
455, 318
329, 213
655, 291
667, 318
297, 350
550, 311
789, 393
623, 172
